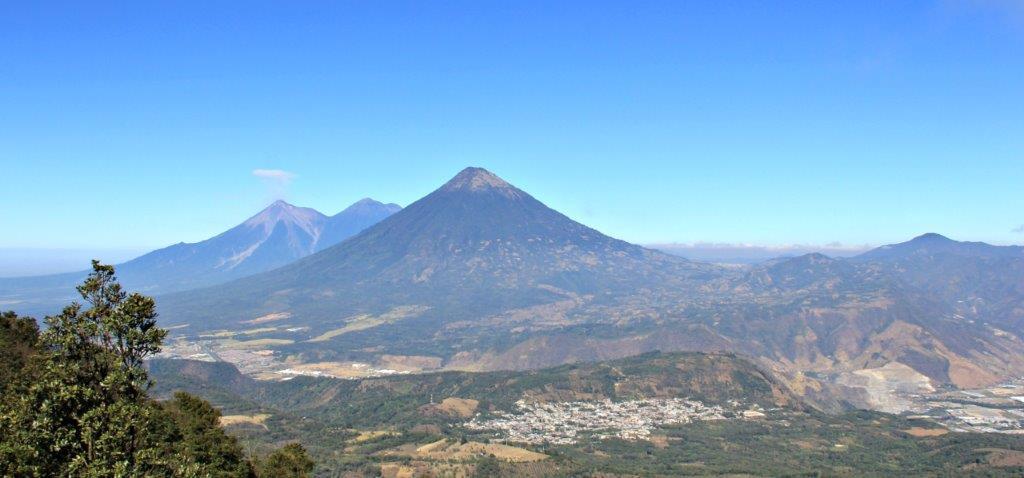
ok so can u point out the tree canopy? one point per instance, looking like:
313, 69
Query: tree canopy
291, 461
75, 398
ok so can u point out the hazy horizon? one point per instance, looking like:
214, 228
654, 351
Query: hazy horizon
37, 261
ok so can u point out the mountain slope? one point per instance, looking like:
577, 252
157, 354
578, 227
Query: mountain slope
711, 378
479, 275
973, 279
474, 247
277, 235
955, 323
349, 222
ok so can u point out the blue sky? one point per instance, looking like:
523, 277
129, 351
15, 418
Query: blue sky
125, 126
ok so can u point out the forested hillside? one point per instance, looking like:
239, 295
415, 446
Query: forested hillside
423, 424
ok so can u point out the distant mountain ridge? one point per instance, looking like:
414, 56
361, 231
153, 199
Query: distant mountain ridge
279, 234
360, 215
932, 243
476, 245
479, 275
273, 237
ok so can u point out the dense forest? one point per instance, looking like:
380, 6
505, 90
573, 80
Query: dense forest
75, 399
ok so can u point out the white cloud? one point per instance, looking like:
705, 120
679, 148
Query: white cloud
274, 175
1019, 229
276, 181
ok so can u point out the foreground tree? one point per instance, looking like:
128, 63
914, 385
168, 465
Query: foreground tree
19, 343
85, 412
75, 399
200, 441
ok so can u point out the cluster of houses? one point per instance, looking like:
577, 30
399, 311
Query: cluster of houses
563, 423
995, 409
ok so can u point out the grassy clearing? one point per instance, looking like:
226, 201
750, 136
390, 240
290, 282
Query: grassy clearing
255, 344
367, 435
445, 449
268, 318
925, 432
257, 419
459, 407
366, 321
359, 322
